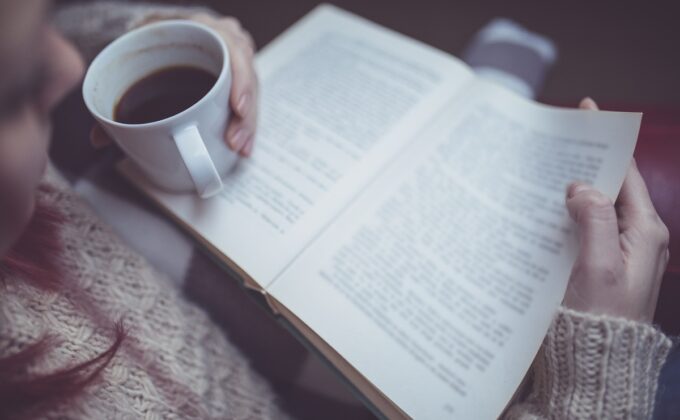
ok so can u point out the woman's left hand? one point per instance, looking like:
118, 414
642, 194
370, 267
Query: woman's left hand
240, 134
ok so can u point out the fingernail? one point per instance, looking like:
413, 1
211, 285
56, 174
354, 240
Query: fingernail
239, 139
242, 106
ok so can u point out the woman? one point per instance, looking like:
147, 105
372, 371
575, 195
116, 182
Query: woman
88, 329
93, 332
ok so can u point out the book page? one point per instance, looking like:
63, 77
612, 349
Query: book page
340, 97
439, 283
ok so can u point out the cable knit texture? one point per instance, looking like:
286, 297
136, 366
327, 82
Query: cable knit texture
175, 363
595, 367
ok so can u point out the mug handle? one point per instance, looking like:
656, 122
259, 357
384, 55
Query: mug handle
197, 160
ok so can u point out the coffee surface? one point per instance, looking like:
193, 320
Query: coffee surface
162, 94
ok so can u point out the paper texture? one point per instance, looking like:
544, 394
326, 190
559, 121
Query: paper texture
440, 281
339, 99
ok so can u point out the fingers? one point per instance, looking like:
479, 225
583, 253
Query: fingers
243, 100
598, 229
244, 84
98, 137
634, 198
240, 133
634, 202
638, 219
244, 80
588, 103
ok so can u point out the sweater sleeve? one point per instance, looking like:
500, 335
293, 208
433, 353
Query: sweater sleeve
91, 26
595, 367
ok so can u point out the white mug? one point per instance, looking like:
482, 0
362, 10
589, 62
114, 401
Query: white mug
185, 152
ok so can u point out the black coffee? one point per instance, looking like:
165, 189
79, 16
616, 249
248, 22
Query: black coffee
163, 94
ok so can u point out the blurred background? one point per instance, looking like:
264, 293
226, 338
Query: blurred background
615, 51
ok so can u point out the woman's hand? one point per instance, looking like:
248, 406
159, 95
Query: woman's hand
240, 134
623, 249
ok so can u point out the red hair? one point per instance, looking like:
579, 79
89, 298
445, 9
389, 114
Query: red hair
35, 258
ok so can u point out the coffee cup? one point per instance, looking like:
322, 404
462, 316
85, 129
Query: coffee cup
184, 152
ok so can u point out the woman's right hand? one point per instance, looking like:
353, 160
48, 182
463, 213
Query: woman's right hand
240, 133
623, 249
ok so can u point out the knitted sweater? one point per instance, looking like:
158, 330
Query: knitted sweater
176, 363
594, 367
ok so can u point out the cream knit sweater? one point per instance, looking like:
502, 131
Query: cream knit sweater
595, 367
177, 364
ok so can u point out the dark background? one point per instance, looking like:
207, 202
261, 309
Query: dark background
615, 51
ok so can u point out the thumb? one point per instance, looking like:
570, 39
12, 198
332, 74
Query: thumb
588, 103
598, 230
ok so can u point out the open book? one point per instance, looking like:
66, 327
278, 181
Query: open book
405, 216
